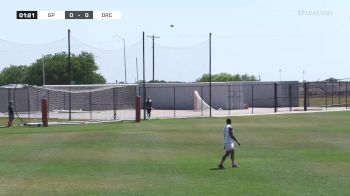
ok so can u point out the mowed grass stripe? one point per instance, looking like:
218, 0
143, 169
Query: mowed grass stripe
303, 154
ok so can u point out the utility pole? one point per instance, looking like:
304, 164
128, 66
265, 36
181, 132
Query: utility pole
153, 37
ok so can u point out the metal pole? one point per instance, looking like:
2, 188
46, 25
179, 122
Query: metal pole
229, 99
275, 97
326, 95
153, 37
90, 103
202, 101
114, 104
290, 97
28, 101
252, 99
144, 76
210, 73
346, 95
70, 76
137, 72
153, 58
339, 93
305, 96
308, 94
332, 94
174, 102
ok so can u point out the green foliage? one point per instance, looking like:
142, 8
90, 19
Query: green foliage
13, 74
84, 70
331, 80
226, 77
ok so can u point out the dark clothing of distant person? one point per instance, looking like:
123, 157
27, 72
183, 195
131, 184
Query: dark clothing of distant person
10, 114
149, 107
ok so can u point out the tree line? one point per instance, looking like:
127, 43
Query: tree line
226, 77
84, 71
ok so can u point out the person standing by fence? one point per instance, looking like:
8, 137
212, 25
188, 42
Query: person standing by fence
11, 115
149, 107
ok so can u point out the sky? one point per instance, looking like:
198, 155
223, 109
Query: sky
273, 39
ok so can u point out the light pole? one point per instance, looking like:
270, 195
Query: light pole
117, 36
303, 75
280, 71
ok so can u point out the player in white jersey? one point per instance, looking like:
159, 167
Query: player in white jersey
229, 144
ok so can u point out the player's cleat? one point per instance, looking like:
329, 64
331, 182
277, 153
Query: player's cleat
221, 166
235, 165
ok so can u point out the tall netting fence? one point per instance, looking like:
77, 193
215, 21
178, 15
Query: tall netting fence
75, 102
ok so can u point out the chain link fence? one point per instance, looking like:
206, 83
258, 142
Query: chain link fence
244, 98
177, 100
84, 102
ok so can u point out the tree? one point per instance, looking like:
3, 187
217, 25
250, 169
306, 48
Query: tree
331, 80
13, 74
226, 77
84, 70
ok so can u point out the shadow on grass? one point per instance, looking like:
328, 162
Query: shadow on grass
216, 168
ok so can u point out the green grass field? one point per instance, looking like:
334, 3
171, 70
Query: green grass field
303, 154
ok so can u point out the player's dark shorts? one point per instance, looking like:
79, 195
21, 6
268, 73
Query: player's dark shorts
11, 117
149, 111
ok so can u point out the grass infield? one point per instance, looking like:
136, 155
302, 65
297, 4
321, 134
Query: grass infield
294, 154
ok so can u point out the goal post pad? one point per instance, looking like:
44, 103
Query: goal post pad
44, 112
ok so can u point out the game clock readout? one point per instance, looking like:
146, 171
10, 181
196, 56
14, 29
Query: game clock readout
27, 15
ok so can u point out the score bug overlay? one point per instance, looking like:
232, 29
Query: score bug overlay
69, 15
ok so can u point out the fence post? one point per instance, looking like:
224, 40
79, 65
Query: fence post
346, 95
326, 96
138, 109
44, 111
332, 94
28, 101
228, 100
48, 104
174, 100
202, 100
90, 103
308, 94
275, 96
339, 93
70, 104
290, 97
305, 96
37, 100
114, 104
252, 99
